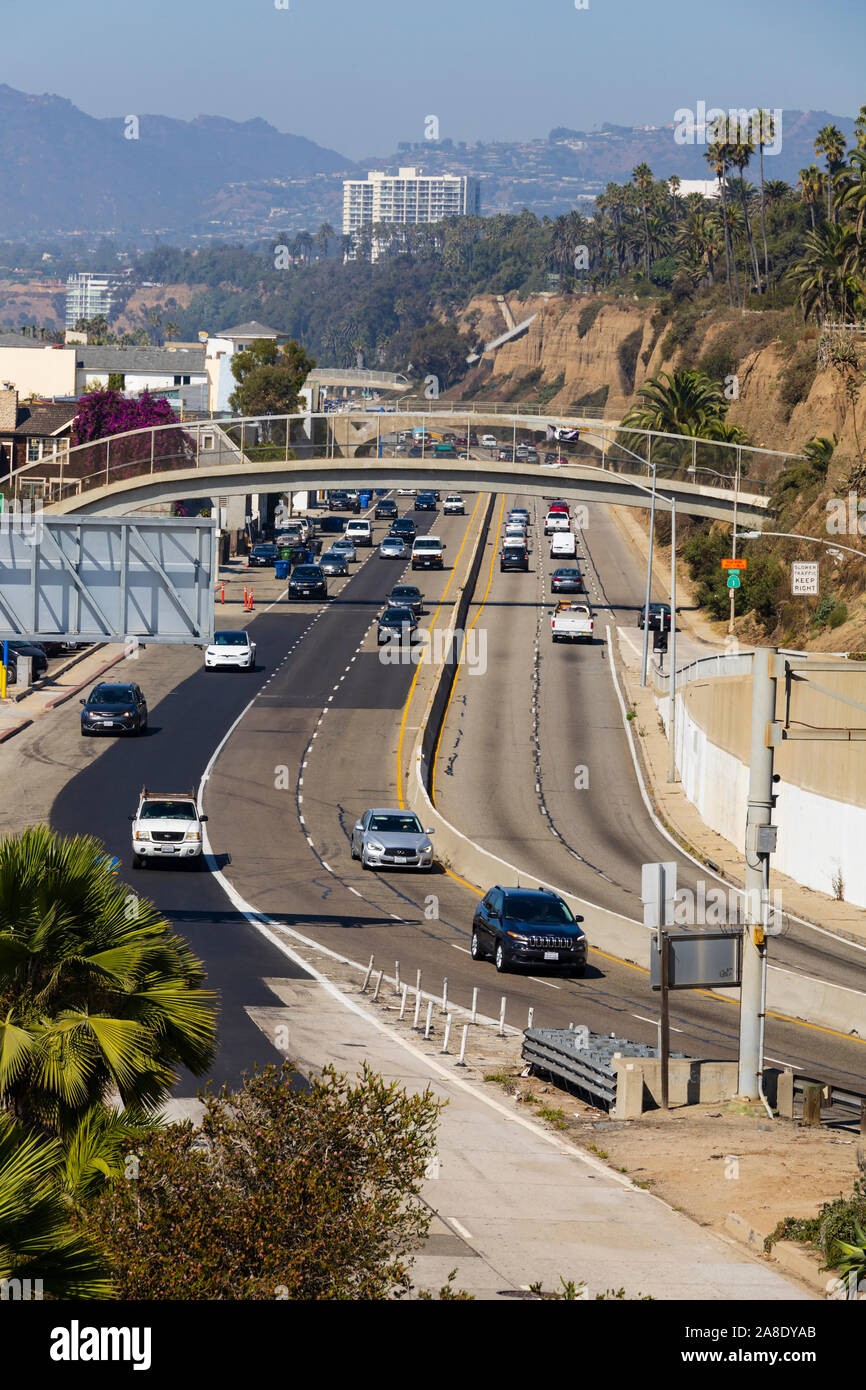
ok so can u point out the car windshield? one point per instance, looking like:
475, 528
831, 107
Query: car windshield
538, 908
394, 614
230, 639
397, 825
111, 695
426, 545
342, 545
308, 572
331, 555
168, 810
405, 592
263, 549
393, 540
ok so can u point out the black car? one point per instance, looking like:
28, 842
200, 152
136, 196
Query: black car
263, 554
36, 652
337, 501
331, 525
528, 926
407, 596
513, 557
425, 502
659, 617
399, 623
567, 581
114, 708
415, 452
308, 581
405, 527
386, 508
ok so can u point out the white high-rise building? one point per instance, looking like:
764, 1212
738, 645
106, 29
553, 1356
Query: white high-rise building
89, 295
408, 197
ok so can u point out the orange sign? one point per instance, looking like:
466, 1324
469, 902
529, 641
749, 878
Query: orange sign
735, 564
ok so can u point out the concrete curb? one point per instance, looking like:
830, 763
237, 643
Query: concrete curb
16, 729
7, 734
803, 1264
61, 671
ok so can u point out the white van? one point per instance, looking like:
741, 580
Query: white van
359, 533
563, 545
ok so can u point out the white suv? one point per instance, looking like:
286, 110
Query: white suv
167, 825
359, 533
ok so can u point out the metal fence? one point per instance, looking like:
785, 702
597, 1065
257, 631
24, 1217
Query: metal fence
581, 1059
705, 668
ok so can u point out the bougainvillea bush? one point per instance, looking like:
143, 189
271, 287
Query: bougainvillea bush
104, 414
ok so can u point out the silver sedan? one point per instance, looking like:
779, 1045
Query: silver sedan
389, 837
393, 548
334, 562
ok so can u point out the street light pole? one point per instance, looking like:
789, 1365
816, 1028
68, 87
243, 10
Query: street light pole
759, 844
672, 708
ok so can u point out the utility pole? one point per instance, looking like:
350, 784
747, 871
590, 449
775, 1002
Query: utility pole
760, 843
649, 577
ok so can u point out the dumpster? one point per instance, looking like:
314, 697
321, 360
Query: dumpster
281, 569
285, 552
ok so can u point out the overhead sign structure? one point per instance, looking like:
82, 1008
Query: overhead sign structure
699, 960
804, 577
735, 564
108, 579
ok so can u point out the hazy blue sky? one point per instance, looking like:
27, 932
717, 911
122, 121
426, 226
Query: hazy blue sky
360, 75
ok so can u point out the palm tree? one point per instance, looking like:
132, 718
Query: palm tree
766, 135
819, 452
680, 402
643, 178
853, 196
323, 238
824, 276
717, 156
172, 331
810, 182
741, 154
37, 1237
776, 191
97, 996
830, 142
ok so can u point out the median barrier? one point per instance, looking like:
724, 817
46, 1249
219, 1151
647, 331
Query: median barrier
788, 993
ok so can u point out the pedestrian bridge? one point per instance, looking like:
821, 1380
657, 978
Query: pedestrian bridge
230, 458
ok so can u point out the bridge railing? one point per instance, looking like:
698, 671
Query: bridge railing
246, 441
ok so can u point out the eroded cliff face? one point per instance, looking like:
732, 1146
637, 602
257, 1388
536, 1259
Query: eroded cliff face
575, 349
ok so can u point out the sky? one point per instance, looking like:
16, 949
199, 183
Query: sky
361, 75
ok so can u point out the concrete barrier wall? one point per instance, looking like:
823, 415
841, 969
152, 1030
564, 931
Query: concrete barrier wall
819, 836
620, 937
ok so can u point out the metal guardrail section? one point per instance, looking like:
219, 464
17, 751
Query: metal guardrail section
587, 1068
835, 1096
706, 667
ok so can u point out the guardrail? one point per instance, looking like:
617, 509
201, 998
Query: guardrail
705, 667
789, 1083
582, 1059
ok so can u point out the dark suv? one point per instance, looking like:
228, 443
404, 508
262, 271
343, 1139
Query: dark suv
308, 581
513, 557
386, 508
404, 526
659, 617
425, 502
263, 554
528, 926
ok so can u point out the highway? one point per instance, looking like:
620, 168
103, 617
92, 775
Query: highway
319, 745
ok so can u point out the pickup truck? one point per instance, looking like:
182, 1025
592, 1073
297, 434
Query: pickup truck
167, 825
571, 622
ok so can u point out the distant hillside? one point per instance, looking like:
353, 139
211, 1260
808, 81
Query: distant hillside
62, 170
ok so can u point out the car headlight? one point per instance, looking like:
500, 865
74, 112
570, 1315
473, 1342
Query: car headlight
127, 714
141, 835
425, 848
192, 835
375, 847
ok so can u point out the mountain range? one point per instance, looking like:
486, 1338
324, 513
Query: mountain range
63, 171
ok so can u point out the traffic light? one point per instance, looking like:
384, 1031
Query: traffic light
660, 639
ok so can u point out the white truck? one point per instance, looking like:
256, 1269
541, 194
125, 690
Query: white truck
571, 622
167, 825
563, 545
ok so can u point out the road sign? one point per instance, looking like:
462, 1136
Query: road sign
804, 577
733, 581
735, 564
658, 892
700, 960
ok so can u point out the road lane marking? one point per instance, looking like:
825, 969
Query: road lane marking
464, 949
461, 1230
655, 1023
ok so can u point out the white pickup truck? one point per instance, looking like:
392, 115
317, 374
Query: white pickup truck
167, 825
571, 622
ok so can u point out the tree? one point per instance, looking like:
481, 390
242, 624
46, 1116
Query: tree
285, 1191
441, 350
811, 184
824, 278
323, 238
97, 995
741, 154
681, 402
269, 378
766, 135
38, 1238
105, 413
643, 177
717, 156
830, 142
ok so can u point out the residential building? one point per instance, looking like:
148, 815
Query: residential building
409, 196
221, 348
179, 374
34, 437
89, 295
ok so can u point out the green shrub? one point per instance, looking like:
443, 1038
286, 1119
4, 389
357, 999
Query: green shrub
549, 389
838, 616
588, 315
836, 1222
593, 400
626, 356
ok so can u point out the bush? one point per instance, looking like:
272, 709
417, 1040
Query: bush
626, 356
588, 315
796, 380
282, 1193
836, 1222
549, 389
593, 400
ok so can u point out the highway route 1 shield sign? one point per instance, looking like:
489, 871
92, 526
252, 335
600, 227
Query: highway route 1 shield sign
733, 581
